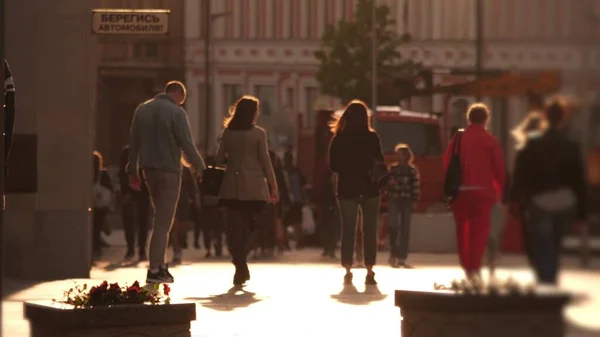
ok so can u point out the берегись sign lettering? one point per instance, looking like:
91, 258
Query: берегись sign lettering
116, 21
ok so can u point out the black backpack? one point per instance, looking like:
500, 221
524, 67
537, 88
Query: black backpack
454, 174
212, 178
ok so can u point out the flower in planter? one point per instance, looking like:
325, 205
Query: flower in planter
478, 286
107, 294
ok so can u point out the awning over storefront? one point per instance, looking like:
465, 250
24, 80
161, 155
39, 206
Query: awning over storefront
504, 85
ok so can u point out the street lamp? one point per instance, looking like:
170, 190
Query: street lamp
208, 22
374, 62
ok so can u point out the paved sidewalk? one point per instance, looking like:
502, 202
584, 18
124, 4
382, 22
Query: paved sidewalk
300, 295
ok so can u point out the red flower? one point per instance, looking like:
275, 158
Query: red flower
166, 289
114, 288
134, 290
99, 289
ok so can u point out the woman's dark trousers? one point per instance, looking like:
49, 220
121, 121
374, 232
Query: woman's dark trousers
135, 215
243, 228
349, 214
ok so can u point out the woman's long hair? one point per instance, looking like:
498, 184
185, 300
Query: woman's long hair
242, 114
534, 122
354, 119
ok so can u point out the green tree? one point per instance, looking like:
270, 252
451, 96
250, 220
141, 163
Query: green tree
346, 53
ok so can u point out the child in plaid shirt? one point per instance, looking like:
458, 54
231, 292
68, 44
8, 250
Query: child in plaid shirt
402, 191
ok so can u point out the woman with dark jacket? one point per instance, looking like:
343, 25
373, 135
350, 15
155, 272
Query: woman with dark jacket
249, 182
103, 191
549, 190
135, 210
354, 153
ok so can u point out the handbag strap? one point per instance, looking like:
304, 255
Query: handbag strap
456, 148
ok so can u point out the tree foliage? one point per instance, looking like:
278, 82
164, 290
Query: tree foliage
346, 56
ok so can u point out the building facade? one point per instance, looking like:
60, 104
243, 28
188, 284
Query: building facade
265, 48
132, 69
47, 230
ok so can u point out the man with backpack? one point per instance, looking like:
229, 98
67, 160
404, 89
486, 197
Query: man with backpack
475, 178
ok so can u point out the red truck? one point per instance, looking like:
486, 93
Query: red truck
422, 131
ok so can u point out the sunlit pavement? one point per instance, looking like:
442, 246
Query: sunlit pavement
301, 295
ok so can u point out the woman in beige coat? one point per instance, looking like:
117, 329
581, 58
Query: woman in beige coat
245, 188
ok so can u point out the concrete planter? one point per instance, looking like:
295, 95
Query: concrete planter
446, 314
47, 319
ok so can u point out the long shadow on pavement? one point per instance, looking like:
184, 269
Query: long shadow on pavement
121, 264
11, 287
234, 298
351, 295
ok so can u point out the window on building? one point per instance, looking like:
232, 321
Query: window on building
311, 94
151, 51
309, 19
146, 50
293, 19
289, 98
268, 99
231, 93
275, 18
115, 51
459, 110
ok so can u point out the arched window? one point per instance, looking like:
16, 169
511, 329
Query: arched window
458, 113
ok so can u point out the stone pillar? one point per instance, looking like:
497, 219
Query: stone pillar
52, 54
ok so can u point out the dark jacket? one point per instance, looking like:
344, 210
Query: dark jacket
506, 193
9, 111
284, 193
353, 156
548, 163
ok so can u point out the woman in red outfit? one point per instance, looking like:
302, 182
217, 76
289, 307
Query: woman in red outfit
482, 184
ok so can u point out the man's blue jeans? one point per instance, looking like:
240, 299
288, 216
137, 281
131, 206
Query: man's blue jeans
497, 224
545, 231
